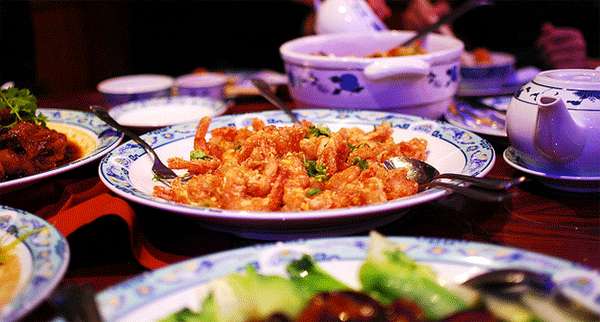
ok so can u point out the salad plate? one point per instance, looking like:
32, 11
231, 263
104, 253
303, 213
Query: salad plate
155, 295
160, 112
31, 269
92, 136
479, 120
127, 171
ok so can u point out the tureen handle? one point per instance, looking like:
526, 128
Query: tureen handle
401, 68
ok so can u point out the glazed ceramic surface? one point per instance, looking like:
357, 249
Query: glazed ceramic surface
419, 85
154, 295
554, 180
43, 258
495, 74
554, 122
205, 85
478, 120
337, 16
129, 88
102, 137
508, 87
127, 172
159, 112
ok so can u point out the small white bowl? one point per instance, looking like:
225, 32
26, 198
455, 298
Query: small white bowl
165, 111
128, 88
203, 85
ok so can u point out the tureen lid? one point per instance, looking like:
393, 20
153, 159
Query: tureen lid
577, 79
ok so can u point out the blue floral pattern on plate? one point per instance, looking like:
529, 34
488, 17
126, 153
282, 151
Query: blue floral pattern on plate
49, 253
107, 138
117, 302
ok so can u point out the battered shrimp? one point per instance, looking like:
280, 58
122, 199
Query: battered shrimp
293, 168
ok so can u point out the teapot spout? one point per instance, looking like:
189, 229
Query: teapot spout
557, 136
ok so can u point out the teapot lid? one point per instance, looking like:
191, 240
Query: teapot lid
577, 79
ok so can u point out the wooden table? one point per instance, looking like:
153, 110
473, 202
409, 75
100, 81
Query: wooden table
539, 219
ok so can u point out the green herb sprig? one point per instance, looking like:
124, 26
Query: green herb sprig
317, 131
199, 155
22, 105
316, 170
312, 191
361, 163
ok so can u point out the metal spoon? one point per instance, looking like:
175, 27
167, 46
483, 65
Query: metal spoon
160, 170
266, 92
427, 175
515, 283
459, 11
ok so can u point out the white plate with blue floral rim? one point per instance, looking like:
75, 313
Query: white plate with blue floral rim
469, 117
554, 180
42, 258
94, 137
160, 112
500, 103
127, 171
153, 295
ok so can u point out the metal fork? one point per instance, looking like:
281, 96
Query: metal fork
161, 172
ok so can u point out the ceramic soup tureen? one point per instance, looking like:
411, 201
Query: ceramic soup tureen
553, 122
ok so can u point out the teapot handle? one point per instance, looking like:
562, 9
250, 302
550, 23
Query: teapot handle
317, 4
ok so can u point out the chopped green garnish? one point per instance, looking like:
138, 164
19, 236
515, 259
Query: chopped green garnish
316, 170
313, 191
354, 147
318, 131
361, 163
199, 155
22, 105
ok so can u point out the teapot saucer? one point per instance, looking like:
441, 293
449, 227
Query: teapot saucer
553, 180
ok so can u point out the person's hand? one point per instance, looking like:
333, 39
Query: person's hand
380, 8
420, 14
562, 47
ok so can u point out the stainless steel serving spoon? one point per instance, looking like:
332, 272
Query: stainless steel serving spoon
513, 284
424, 173
267, 93
161, 171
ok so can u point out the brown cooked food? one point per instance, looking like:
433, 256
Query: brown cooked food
28, 147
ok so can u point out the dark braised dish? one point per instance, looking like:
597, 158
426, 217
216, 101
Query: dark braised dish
27, 145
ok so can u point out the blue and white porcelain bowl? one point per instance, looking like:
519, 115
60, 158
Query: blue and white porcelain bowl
344, 78
204, 85
129, 88
496, 74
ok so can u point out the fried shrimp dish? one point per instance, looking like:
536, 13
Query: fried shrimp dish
293, 168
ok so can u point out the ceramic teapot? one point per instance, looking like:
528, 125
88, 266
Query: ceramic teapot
553, 122
334, 16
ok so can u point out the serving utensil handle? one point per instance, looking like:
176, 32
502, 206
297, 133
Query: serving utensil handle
102, 114
485, 183
477, 194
